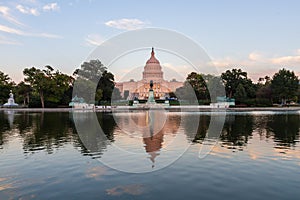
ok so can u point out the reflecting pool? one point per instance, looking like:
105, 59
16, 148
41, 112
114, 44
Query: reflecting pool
43, 155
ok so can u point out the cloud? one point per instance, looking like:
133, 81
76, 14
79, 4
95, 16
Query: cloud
286, 60
51, 7
223, 62
126, 24
94, 40
26, 10
254, 56
7, 29
5, 40
46, 35
5, 13
176, 71
30, 1
10, 30
258, 65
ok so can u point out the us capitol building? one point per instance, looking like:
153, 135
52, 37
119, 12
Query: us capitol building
140, 89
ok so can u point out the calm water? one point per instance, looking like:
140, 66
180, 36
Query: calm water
43, 157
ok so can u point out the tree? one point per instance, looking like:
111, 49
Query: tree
235, 77
285, 85
216, 88
298, 95
63, 87
199, 85
38, 81
94, 82
263, 89
23, 93
240, 94
107, 85
6, 84
232, 79
50, 85
186, 93
91, 71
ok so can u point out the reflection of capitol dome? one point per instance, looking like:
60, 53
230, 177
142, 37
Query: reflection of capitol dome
157, 132
154, 142
152, 71
153, 145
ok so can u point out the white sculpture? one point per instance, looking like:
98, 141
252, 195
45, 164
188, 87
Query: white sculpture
10, 101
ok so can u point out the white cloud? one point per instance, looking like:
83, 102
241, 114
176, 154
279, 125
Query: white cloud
47, 35
254, 56
126, 24
51, 7
223, 62
26, 10
176, 71
94, 39
258, 65
5, 13
286, 60
7, 29
10, 30
5, 40
30, 1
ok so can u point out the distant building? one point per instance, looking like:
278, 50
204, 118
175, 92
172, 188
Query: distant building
140, 89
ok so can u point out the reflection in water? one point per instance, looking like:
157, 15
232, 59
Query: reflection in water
236, 131
150, 127
10, 116
96, 172
285, 129
4, 127
96, 131
47, 131
52, 168
152, 132
135, 189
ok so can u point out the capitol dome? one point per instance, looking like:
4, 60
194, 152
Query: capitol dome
152, 69
132, 89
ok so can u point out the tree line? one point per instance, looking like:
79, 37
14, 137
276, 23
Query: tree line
282, 88
48, 87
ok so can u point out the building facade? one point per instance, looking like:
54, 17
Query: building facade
140, 89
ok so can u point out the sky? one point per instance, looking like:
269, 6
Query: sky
259, 37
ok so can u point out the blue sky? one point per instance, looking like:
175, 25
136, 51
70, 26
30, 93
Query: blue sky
258, 36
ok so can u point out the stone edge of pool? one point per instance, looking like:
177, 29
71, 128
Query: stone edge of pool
173, 108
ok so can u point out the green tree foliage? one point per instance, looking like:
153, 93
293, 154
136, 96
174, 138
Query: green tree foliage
216, 88
23, 91
6, 84
240, 94
232, 78
94, 82
263, 89
48, 84
198, 83
285, 85
107, 85
298, 95
91, 70
206, 88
